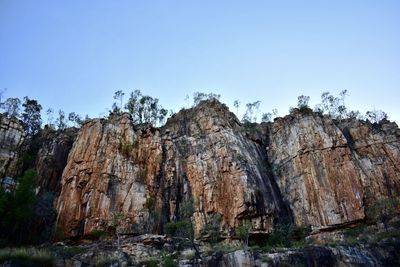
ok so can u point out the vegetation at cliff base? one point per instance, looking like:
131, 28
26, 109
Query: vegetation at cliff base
26, 257
382, 210
243, 232
25, 217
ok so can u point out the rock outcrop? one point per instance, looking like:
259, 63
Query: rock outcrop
52, 158
210, 159
329, 171
303, 168
109, 172
382, 254
11, 140
200, 158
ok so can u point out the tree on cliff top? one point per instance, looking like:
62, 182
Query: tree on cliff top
145, 109
200, 96
31, 117
117, 107
11, 106
252, 110
333, 106
375, 116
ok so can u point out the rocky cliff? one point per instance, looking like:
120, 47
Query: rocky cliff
46, 153
51, 158
11, 140
201, 156
303, 168
330, 171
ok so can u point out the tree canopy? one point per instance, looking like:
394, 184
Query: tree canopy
31, 117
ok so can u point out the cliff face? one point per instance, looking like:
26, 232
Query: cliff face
47, 153
329, 173
11, 140
200, 158
210, 159
376, 149
52, 157
302, 168
110, 170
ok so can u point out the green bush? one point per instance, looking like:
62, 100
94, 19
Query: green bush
26, 256
243, 232
169, 262
224, 248
17, 210
383, 210
149, 262
212, 228
355, 231
181, 229
127, 149
105, 259
286, 235
67, 252
97, 234
26, 218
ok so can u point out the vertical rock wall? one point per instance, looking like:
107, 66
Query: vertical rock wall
11, 140
303, 168
330, 172
109, 172
52, 158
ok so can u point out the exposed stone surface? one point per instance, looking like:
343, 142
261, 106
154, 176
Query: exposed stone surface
52, 158
376, 150
209, 158
11, 140
330, 173
303, 168
201, 156
134, 252
383, 254
109, 171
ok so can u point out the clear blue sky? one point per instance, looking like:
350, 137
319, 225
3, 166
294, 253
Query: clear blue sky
74, 54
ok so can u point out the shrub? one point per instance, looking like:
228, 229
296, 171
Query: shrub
355, 231
225, 248
149, 262
181, 229
97, 234
286, 235
26, 256
243, 232
383, 210
127, 149
169, 262
17, 210
211, 229
68, 252
104, 259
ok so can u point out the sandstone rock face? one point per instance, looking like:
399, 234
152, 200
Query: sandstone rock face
201, 157
11, 140
329, 173
210, 159
376, 149
52, 158
303, 168
109, 172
